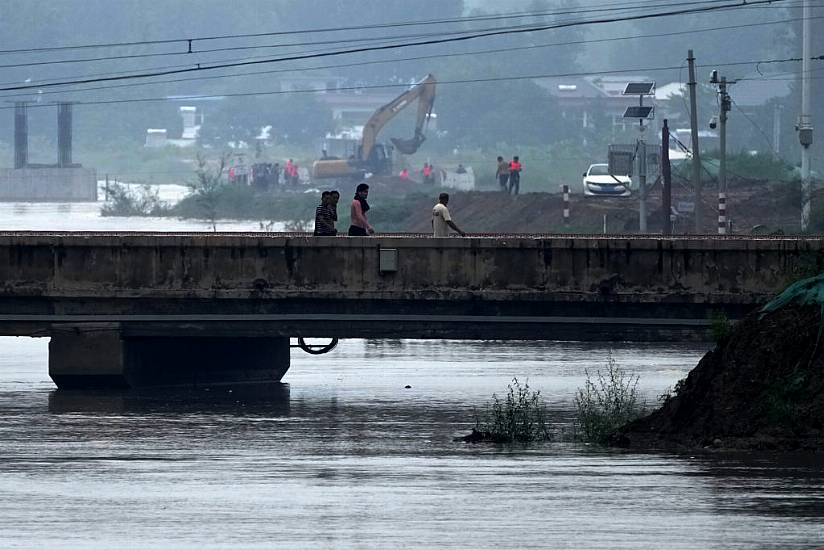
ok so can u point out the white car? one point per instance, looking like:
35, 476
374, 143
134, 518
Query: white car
598, 181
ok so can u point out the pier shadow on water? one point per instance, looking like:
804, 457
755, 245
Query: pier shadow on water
259, 399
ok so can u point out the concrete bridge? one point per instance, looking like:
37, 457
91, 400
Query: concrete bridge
146, 309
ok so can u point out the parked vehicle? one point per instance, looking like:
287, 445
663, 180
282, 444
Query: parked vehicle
598, 181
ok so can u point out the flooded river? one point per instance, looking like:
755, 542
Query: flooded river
343, 455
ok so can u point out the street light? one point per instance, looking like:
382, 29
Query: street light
641, 112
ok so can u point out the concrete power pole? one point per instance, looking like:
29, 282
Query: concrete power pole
696, 153
777, 130
722, 167
642, 182
666, 176
805, 127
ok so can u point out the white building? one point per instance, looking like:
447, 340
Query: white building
156, 137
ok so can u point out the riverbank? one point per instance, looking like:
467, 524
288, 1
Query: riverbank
404, 206
762, 387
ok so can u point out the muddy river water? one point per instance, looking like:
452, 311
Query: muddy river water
343, 455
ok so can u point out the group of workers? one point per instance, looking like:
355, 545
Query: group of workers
509, 175
427, 172
265, 175
326, 215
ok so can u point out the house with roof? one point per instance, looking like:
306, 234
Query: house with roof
585, 99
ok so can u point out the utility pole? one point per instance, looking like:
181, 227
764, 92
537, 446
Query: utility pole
642, 181
666, 175
722, 168
696, 152
725, 107
805, 127
777, 130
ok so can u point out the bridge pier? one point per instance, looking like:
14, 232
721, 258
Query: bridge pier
99, 356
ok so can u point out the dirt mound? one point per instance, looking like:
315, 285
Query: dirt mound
395, 186
761, 388
488, 210
495, 212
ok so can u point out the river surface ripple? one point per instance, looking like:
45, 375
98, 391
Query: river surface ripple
343, 456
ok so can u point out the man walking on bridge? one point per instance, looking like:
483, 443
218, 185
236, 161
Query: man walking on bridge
326, 214
360, 225
441, 220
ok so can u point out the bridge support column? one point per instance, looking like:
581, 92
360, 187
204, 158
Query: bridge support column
99, 356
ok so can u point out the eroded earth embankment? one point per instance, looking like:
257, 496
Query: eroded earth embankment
762, 387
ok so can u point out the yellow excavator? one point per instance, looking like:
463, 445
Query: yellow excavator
372, 156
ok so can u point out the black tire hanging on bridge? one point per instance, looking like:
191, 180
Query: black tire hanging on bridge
317, 350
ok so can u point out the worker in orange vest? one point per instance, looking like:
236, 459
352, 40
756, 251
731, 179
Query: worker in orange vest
427, 173
514, 175
291, 171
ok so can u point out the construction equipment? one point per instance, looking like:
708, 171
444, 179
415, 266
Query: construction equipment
373, 157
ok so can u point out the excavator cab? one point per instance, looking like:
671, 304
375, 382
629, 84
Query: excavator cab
380, 160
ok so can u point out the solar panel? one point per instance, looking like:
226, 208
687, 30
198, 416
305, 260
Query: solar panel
638, 112
639, 88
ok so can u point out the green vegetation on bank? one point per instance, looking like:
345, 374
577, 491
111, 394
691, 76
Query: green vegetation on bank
742, 168
223, 201
608, 401
125, 202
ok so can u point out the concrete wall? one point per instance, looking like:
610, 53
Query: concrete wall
224, 274
48, 184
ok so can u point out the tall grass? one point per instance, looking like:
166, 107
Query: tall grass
608, 400
123, 201
518, 417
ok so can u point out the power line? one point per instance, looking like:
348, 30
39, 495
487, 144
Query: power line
384, 39
416, 58
42, 82
385, 86
233, 48
188, 41
45, 81
756, 126
198, 67
191, 52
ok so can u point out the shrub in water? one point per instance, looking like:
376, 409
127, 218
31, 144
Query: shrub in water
520, 416
606, 402
125, 202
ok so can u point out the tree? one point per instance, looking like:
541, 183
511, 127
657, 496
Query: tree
518, 112
207, 186
296, 118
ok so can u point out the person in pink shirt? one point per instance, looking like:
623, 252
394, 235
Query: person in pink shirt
360, 225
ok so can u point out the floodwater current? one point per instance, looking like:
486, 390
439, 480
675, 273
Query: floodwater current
344, 455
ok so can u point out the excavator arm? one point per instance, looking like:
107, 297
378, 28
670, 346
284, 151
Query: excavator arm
424, 91
372, 158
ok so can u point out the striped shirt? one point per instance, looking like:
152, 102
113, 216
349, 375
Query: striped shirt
325, 218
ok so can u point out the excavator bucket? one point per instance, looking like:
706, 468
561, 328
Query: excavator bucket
408, 146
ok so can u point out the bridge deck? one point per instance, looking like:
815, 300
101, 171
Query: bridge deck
490, 286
